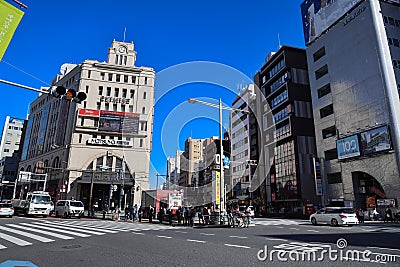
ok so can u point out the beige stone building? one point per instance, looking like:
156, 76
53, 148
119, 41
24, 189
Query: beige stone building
80, 143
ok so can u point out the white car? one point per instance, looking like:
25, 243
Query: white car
334, 216
69, 208
6, 209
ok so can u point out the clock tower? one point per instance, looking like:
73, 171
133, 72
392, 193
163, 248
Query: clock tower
121, 53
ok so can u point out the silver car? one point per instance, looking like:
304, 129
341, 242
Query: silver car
6, 209
334, 216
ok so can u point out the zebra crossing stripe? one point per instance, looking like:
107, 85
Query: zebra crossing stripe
14, 240
32, 236
55, 230
86, 227
2, 247
94, 225
41, 232
48, 224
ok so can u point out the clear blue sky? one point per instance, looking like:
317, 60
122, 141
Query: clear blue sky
236, 33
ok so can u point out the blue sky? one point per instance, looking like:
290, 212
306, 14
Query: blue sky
236, 33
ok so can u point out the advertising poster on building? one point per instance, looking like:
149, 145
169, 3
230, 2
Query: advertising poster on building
317, 176
27, 137
42, 130
375, 140
348, 147
10, 16
319, 15
174, 201
118, 122
217, 187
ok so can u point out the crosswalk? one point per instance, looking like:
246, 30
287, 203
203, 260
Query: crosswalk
268, 222
45, 231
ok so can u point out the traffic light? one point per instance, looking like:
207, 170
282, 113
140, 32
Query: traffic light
70, 94
251, 163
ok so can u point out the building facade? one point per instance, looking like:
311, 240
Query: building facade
11, 136
286, 137
240, 144
191, 157
95, 142
173, 170
354, 70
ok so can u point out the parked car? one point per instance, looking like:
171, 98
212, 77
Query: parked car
69, 208
6, 209
334, 216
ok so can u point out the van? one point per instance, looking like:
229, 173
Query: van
69, 208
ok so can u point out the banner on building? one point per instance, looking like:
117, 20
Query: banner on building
319, 15
10, 16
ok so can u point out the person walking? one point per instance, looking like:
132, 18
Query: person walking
178, 215
361, 214
388, 215
151, 214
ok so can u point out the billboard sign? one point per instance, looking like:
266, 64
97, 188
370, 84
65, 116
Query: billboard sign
118, 122
10, 16
386, 202
174, 201
319, 15
375, 140
348, 147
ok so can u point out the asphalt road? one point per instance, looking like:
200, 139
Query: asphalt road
85, 242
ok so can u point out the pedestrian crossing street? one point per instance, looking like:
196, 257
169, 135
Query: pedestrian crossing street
268, 222
45, 231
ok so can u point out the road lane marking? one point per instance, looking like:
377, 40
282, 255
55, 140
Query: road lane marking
163, 236
2, 247
297, 229
182, 232
41, 232
235, 236
276, 239
206, 234
236, 246
36, 237
280, 227
197, 241
14, 240
55, 230
315, 231
137, 233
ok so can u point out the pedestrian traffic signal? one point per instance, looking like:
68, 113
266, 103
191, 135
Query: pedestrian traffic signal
70, 94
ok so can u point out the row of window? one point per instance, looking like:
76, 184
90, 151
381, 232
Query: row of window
279, 99
396, 64
240, 143
393, 41
280, 81
239, 132
277, 68
282, 132
281, 115
117, 91
15, 128
115, 107
391, 21
240, 155
120, 78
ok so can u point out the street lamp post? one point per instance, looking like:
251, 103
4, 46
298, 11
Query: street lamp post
221, 165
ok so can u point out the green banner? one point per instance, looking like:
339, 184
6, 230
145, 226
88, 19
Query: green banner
10, 16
